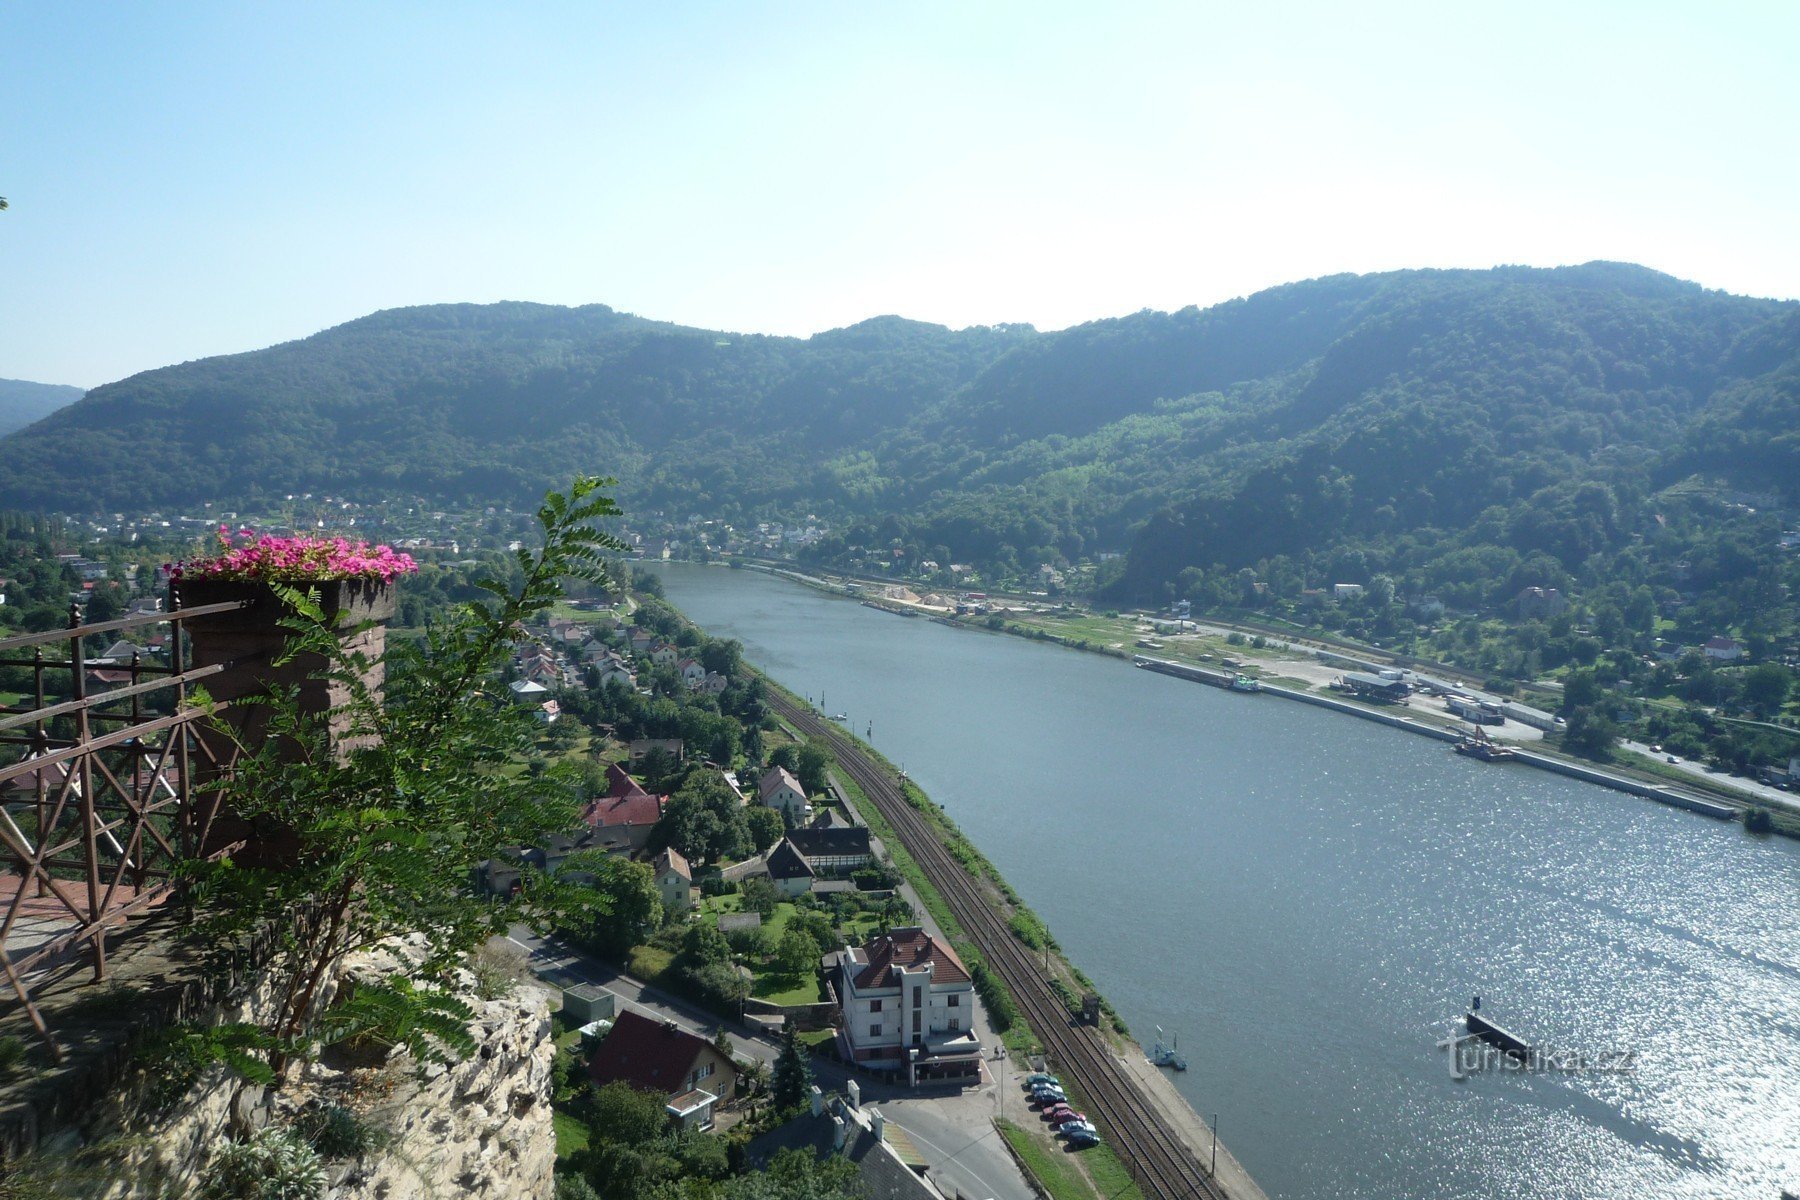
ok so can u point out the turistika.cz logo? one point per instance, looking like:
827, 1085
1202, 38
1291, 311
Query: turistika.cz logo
1469, 1055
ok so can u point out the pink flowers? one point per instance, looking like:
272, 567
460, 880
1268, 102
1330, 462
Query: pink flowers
295, 559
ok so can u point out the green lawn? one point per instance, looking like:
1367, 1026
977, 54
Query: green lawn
1058, 1172
782, 989
647, 962
571, 1135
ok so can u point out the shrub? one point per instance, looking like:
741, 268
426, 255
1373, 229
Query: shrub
1757, 820
334, 1131
274, 1165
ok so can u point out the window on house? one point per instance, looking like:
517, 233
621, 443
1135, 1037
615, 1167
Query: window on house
704, 1071
955, 1024
915, 1022
874, 1031
874, 1006
955, 1001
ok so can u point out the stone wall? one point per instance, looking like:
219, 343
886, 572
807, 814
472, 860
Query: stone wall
478, 1128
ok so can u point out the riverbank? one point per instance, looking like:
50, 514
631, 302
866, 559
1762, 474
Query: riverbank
1297, 676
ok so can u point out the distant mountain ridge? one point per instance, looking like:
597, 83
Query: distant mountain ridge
1355, 407
22, 402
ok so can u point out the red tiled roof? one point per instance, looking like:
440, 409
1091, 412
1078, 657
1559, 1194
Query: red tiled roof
912, 948
613, 811
620, 783
651, 1057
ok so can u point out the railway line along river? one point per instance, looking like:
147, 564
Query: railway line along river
1309, 902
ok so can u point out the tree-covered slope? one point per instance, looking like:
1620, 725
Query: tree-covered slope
22, 402
1529, 408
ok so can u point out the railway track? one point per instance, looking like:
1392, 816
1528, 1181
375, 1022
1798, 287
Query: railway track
1162, 1165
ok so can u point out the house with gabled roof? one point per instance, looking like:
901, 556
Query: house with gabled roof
662, 1058
888, 1165
692, 673
664, 654
779, 789
832, 849
788, 869
908, 1007
627, 810
1721, 648
673, 880
713, 684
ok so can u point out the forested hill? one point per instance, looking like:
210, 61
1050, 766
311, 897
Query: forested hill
22, 402
1515, 406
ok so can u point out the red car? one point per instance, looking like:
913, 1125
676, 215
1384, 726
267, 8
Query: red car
1056, 1114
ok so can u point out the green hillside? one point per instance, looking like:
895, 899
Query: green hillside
1405, 417
22, 402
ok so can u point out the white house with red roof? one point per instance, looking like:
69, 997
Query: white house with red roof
908, 1006
664, 654
1722, 648
692, 673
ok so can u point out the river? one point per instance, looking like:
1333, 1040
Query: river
1308, 900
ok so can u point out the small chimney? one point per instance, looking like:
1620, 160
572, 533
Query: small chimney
837, 1133
855, 1090
818, 1100
880, 1127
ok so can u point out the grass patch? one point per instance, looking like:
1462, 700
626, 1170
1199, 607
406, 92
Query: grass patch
817, 1038
571, 1135
781, 989
648, 963
1049, 1164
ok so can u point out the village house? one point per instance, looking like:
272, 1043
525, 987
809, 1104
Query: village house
908, 1006
664, 1059
888, 1167
642, 640
691, 672
1722, 649
627, 809
663, 654
713, 684
833, 850
788, 870
673, 880
778, 789
639, 748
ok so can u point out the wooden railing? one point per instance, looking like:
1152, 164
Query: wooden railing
103, 794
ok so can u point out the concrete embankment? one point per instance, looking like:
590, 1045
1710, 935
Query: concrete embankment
1607, 779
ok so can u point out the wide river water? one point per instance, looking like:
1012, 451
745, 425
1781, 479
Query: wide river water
1308, 900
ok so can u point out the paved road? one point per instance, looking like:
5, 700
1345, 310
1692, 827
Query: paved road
1787, 801
953, 1129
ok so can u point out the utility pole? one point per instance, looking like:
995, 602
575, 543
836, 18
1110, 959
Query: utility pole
1214, 1169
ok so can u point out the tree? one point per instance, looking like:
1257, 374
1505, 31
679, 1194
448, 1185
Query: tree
764, 826
793, 1072
797, 954
810, 764
759, 895
1766, 687
625, 907
385, 835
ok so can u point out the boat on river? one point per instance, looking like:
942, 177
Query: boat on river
1167, 1056
1243, 683
1478, 746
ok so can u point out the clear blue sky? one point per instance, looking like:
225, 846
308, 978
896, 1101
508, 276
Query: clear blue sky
197, 179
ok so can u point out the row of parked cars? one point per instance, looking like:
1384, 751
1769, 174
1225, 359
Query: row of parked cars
1047, 1093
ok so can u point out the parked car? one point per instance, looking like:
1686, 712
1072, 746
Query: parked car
1672, 758
1074, 1124
1047, 1094
1084, 1137
1058, 1113
1037, 1077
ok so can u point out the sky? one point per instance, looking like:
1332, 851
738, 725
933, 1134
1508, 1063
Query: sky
195, 179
